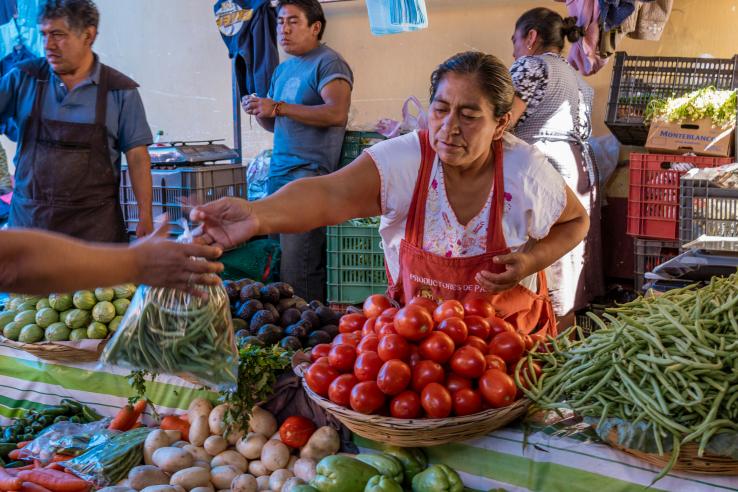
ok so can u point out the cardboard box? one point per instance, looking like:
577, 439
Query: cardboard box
700, 136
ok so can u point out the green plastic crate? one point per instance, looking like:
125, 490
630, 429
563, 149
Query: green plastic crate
355, 263
355, 142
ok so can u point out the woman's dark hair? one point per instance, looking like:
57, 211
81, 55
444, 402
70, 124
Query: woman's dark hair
552, 29
313, 11
79, 14
493, 76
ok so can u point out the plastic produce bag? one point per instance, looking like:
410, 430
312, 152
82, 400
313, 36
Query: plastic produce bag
395, 16
257, 175
172, 331
391, 128
66, 438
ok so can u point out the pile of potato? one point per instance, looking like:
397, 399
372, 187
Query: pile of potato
209, 462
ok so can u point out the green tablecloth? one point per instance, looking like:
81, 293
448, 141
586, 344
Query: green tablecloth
546, 464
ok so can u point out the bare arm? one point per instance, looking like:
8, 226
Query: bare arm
518, 108
139, 169
333, 112
28, 267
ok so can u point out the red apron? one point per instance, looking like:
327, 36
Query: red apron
441, 278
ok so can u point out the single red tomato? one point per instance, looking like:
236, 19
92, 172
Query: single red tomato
319, 377
347, 339
342, 357
367, 366
466, 402
393, 377
437, 347
429, 304
406, 405
366, 397
448, 309
386, 329
495, 362
497, 326
393, 347
528, 378
425, 372
477, 327
478, 306
527, 340
340, 389
477, 342
323, 360
468, 362
415, 356
497, 388
413, 323
368, 328
384, 319
436, 401
454, 328
296, 430
375, 305
351, 322
390, 312
509, 346
454, 383
368, 344
320, 350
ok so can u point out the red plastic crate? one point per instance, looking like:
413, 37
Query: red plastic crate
653, 198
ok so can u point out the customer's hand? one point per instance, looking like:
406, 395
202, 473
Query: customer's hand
261, 107
227, 222
145, 227
517, 267
161, 262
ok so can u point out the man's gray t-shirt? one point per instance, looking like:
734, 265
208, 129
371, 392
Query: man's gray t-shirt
299, 80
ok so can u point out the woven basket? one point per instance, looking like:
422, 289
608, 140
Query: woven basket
421, 432
688, 460
60, 351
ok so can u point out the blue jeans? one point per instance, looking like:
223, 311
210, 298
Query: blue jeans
303, 264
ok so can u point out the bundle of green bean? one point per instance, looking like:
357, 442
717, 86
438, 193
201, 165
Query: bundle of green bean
170, 331
670, 362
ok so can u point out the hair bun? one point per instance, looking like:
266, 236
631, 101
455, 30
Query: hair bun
570, 30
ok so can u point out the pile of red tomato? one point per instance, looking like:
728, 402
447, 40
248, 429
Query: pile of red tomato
423, 360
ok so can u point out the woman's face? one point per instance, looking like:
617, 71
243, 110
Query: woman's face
520, 45
461, 121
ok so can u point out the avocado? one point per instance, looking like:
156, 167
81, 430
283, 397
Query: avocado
269, 294
332, 330
248, 309
261, 318
326, 315
285, 290
290, 317
290, 343
270, 307
318, 337
270, 334
249, 291
239, 324
250, 340
231, 289
311, 318
296, 330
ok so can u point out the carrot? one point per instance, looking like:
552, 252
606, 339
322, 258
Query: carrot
176, 423
23, 444
54, 480
33, 487
9, 482
14, 454
55, 466
127, 416
60, 457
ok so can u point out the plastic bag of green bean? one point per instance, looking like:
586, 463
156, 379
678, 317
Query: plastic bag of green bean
174, 332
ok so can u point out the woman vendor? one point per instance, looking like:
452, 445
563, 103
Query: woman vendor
466, 208
552, 110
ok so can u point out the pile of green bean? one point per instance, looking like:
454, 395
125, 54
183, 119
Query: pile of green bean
670, 362
170, 331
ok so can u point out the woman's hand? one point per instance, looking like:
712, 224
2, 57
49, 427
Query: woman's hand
517, 267
161, 262
227, 222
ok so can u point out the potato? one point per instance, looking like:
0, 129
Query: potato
257, 469
250, 446
202, 464
155, 440
275, 455
276, 436
262, 422
198, 407
305, 469
262, 483
324, 442
209, 488
199, 431
214, 445
144, 476
118, 488
244, 483
162, 488
222, 476
191, 478
198, 454
171, 459
292, 483
173, 436
234, 436
278, 478
215, 420
179, 444
230, 457
291, 463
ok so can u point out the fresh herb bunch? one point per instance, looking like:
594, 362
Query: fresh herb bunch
137, 381
365, 222
258, 370
708, 102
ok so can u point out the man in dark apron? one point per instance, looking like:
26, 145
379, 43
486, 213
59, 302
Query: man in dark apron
76, 116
